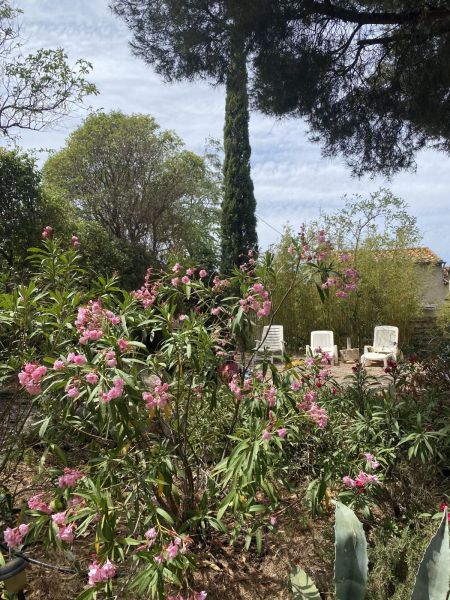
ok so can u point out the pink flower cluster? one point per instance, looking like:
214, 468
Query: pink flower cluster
115, 392
257, 299
237, 389
345, 284
14, 537
30, 377
47, 232
442, 507
100, 573
37, 502
70, 478
148, 293
195, 596
371, 460
76, 359
178, 545
270, 395
75, 241
317, 414
361, 480
91, 319
65, 531
159, 397
220, 284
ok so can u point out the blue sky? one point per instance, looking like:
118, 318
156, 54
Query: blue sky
292, 181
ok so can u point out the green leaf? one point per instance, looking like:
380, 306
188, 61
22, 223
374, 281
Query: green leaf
432, 581
165, 515
351, 561
302, 585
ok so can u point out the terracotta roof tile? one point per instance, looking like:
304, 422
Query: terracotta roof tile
424, 255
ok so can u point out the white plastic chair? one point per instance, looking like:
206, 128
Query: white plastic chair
272, 341
385, 339
325, 341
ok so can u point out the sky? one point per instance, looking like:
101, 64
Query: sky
293, 182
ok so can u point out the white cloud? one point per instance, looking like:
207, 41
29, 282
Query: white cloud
292, 180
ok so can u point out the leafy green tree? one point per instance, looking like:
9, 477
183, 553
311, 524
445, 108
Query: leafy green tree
38, 89
372, 234
22, 206
198, 39
239, 205
140, 185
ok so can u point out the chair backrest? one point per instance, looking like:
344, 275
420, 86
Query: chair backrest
322, 339
272, 337
385, 337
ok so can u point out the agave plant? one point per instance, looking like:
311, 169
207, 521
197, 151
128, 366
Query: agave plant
351, 564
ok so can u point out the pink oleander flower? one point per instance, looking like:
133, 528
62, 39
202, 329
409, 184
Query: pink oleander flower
58, 365
199, 595
373, 463
185, 279
363, 479
235, 388
172, 550
59, 518
190, 271
309, 361
318, 415
273, 520
151, 533
270, 395
75, 241
47, 232
70, 477
295, 386
37, 502
100, 573
66, 534
30, 377
115, 392
73, 391
176, 268
76, 359
216, 311
345, 257
92, 378
341, 294
202, 273
75, 502
123, 344
14, 537
159, 397
175, 281
266, 435
348, 482
282, 432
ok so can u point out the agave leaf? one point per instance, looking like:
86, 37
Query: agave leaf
302, 585
351, 563
432, 581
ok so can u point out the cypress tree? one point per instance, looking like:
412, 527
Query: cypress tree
238, 224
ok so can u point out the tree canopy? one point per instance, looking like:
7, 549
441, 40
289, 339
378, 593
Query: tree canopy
371, 77
38, 89
140, 184
21, 205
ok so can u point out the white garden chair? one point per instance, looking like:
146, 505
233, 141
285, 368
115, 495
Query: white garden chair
385, 340
325, 341
271, 343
